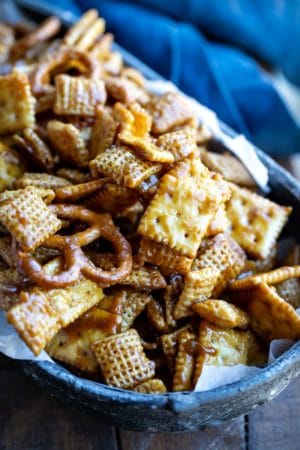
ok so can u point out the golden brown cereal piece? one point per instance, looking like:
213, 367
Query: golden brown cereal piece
273, 277
220, 347
153, 386
185, 362
41, 180
66, 139
71, 345
27, 218
17, 102
198, 285
75, 176
256, 221
222, 253
133, 304
156, 316
270, 316
6, 252
228, 166
122, 360
10, 284
86, 31
125, 90
169, 346
219, 223
11, 166
169, 111
163, 256
103, 133
119, 163
41, 313
77, 95
180, 143
289, 290
35, 148
142, 123
183, 206
72, 193
221, 313
146, 149
171, 297
112, 198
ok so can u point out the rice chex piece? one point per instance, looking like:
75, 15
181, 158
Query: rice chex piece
122, 360
123, 166
224, 254
198, 285
16, 102
256, 221
186, 201
77, 95
152, 386
133, 303
185, 362
27, 217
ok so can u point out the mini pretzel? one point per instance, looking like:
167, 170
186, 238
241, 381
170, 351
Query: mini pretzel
71, 193
66, 57
75, 260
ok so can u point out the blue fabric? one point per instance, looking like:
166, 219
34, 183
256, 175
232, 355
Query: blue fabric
221, 75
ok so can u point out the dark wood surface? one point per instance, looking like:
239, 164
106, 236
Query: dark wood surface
31, 420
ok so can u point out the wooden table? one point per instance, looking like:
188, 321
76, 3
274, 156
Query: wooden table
31, 420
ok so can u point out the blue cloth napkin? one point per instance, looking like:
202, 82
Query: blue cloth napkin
172, 37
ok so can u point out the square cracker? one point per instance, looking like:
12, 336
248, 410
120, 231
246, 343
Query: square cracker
256, 221
270, 316
183, 206
27, 217
123, 166
16, 102
198, 286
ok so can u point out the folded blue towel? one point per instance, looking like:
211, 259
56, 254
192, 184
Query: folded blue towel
220, 75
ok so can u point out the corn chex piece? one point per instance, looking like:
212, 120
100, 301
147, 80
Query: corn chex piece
220, 347
161, 255
219, 224
198, 285
185, 362
221, 313
31, 144
11, 166
125, 90
289, 290
133, 303
123, 166
122, 360
180, 143
183, 206
273, 277
66, 139
17, 102
169, 346
256, 221
224, 254
169, 111
41, 313
152, 386
103, 133
71, 345
156, 315
77, 95
271, 317
27, 217
41, 180
228, 166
